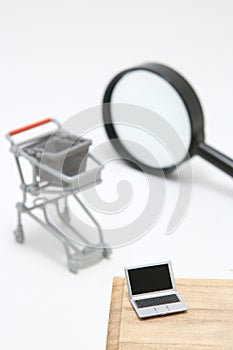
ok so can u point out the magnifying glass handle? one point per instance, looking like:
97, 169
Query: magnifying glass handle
216, 158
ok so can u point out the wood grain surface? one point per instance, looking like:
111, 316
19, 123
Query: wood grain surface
207, 325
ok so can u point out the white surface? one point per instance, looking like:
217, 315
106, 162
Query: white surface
56, 59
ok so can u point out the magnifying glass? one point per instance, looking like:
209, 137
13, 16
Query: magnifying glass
160, 89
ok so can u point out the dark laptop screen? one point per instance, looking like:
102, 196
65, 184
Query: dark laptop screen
150, 279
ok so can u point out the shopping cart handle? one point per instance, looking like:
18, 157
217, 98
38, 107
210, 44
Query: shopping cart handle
30, 126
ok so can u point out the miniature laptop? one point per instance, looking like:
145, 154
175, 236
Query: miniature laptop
152, 290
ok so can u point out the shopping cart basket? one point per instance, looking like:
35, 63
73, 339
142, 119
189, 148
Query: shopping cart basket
59, 160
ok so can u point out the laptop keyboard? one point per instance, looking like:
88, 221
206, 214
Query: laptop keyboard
166, 299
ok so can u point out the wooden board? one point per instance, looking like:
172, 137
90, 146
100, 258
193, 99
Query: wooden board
207, 325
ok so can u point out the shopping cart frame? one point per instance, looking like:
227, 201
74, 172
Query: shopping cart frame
77, 255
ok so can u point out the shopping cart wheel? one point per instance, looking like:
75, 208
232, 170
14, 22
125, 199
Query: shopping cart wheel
107, 252
72, 266
19, 236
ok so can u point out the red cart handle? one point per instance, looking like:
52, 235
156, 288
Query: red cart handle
30, 126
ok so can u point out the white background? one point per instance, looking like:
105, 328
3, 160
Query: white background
56, 59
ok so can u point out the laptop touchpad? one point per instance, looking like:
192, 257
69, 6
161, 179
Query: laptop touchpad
161, 309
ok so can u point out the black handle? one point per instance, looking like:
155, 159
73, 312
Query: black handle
216, 158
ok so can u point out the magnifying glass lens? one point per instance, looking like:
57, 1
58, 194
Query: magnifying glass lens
148, 90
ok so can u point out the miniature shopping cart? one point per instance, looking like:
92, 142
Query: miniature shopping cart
59, 171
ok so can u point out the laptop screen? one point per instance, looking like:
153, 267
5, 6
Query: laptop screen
150, 279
